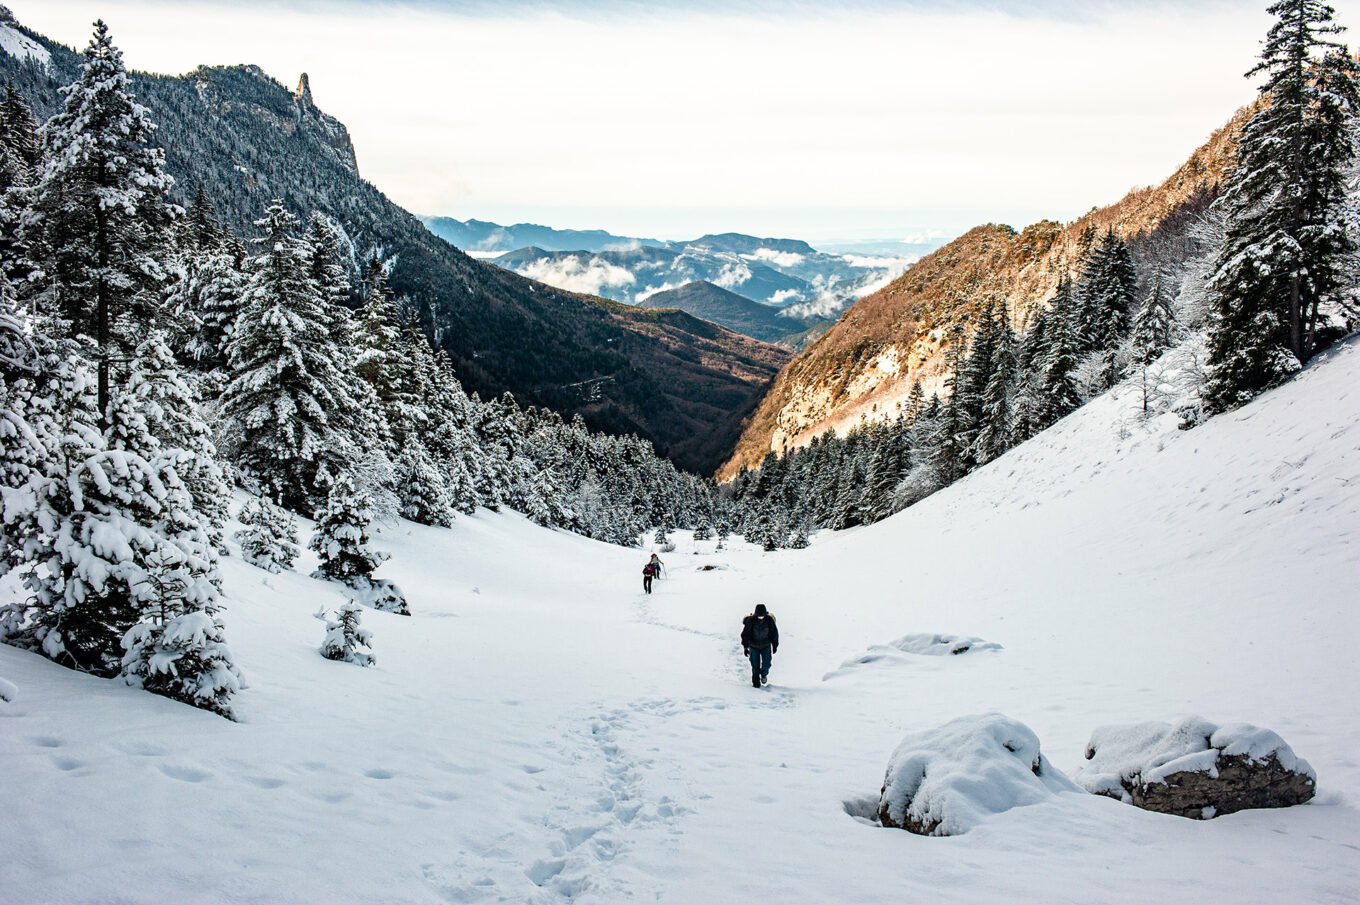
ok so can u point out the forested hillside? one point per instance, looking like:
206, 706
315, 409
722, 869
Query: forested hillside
245, 140
865, 365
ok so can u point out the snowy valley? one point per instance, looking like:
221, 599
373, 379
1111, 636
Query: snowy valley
538, 730
340, 565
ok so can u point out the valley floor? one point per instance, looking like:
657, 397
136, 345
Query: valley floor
541, 731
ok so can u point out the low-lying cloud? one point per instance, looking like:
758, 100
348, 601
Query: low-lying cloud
578, 274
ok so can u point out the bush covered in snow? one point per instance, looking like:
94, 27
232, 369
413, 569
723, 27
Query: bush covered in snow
186, 659
1195, 768
344, 636
945, 781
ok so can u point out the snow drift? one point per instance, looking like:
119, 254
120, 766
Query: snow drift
946, 781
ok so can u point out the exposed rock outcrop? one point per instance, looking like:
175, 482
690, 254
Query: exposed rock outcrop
1195, 768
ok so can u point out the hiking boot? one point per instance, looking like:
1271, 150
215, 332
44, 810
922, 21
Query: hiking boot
755, 683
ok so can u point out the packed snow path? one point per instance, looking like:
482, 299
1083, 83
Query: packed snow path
540, 731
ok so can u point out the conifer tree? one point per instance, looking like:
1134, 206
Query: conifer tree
181, 651
269, 537
421, 488
20, 158
946, 445
288, 403
916, 402
1106, 302
880, 482
341, 537
161, 396
1154, 325
326, 267
377, 336
102, 516
98, 217
1286, 256
1058, 393
995, 433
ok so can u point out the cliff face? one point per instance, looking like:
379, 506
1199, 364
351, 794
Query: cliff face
864, 366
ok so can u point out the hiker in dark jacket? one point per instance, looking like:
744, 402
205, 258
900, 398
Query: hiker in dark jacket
759, 642
650, 571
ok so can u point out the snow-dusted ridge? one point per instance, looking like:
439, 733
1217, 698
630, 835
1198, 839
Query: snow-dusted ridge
538, 731
19, 45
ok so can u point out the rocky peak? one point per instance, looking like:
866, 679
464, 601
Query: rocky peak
304, 92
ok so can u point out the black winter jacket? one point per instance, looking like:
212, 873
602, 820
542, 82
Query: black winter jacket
748, 628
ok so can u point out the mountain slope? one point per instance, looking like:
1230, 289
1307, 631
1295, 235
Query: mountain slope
735, 312
548, 734
248, 139
865, 364
485, 236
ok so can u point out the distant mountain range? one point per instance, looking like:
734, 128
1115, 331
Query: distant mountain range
736, 312
786, 273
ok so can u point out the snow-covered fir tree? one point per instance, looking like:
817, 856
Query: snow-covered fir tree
345, 635
341, 543
161, 395
292, 418
269, 536
182, 653
1155, 324
1286, 255
98, 214
341, 536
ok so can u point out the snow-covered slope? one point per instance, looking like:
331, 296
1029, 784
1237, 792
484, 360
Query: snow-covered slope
540, 731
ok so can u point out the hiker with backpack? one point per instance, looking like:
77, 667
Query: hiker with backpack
650, 571
759, 642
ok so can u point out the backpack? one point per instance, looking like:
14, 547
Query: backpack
649, 570
760, 631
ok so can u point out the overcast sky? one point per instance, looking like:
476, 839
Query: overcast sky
818, 121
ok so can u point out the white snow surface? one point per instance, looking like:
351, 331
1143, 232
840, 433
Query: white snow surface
19, 45
952, 778
1153, 751
541, 731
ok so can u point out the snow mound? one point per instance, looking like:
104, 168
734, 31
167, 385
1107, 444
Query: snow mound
9, 692
1126, 762
946, 781
942, 645
918, 645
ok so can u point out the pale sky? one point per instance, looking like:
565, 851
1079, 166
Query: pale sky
824, 122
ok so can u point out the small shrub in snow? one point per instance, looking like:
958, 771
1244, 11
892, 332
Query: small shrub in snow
186, 659
344, 636
341, 537
946, 781
1195, 768
269, 538
341, 540
704, 532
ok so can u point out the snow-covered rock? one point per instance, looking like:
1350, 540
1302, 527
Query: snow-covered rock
1195, 768
946, 781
